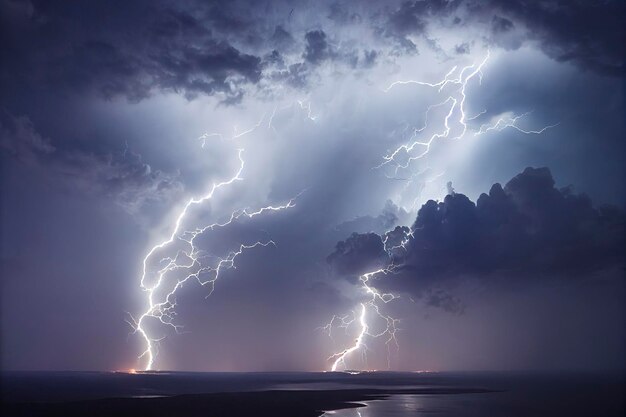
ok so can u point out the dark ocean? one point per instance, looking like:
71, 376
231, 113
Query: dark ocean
374, 394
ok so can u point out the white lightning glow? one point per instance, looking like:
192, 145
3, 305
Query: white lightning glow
455, 97
161, 300
509, 120
454, 90
373, 306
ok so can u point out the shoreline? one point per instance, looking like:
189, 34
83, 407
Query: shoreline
275, 403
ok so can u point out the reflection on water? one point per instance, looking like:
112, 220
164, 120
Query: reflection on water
424, 405
530, 398
510, 394
397, 405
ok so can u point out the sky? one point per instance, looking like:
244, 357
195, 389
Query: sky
312, 185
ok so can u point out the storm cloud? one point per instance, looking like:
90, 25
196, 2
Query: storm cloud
152, 48
218, 48
114, 115
588, 33
527, 230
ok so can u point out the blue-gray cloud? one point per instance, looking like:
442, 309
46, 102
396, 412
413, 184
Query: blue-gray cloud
122, 176
218, 48
527, 229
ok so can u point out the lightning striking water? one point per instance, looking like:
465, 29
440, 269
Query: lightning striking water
204, 268
456, 120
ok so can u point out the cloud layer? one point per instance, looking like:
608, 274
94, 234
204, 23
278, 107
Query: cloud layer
526, 230
143, 105
200, 48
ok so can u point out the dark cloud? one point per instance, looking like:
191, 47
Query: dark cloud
369, 58
413, 16
358, 254
226, 20
150, 49
122, 176
529, 229
216, 48
206, 69
274, 58
317, 48
390, 216
342, 14
501, 25
60, 58
296, 75
101, 66
462, 48
588, 33
282, 39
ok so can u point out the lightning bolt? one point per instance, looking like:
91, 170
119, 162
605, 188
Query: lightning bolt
307, 107
302, 104
509, 120
236, 135
372, 306
454, 88
455, 99
201, 267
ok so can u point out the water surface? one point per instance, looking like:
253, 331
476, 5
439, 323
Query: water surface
397, 394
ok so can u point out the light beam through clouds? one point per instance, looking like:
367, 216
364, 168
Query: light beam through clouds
205, 269
359, 103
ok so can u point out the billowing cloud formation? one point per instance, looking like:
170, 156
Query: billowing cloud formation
317, 48
307, 81
359, 254
528, 229
144, 47
587, 33
219, 48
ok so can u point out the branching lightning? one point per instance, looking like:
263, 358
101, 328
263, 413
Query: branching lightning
455, 98
372, 306
204, 268
510, 120
454, 88
161, 285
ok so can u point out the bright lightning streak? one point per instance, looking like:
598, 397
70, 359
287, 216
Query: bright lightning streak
373, 305
307, 107
456, 98
441, 84
508, 120
190, 259
413, 149
340, 357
